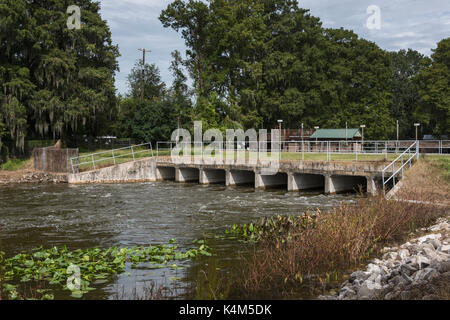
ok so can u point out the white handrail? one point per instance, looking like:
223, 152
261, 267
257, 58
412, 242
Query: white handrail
76, 166
401, 168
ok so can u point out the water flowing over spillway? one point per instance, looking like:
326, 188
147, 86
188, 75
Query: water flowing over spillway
85, 216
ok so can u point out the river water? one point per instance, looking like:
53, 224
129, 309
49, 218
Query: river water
85, 216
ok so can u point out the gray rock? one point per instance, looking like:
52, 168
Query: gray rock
407, 279
407, 269
443, 267
429, 237
347, 293
395, 280
436, 244
403, 254
426, 274
367, 291
430, 297
405, 295
358, 275
392, 295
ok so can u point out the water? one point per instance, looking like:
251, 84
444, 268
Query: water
85, 216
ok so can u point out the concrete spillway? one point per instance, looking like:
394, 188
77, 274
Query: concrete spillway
331, 177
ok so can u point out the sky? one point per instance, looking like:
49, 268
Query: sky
402, 24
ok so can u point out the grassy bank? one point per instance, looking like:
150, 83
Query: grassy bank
14, 164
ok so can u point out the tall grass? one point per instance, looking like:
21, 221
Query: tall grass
338, 240
14, 164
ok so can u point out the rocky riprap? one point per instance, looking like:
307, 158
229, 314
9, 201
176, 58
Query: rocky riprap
34, 177
418, 269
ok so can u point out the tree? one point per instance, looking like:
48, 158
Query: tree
179, 91
55, 82
153, 118
406, 65
153, 87
192, 19
434, 84
269, 60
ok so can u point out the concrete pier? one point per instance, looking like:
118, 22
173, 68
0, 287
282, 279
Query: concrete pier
211, 176
239, 177
165, 173
268, 181
187, 174
304, 181
337, 183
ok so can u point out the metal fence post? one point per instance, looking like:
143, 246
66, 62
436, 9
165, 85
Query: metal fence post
114, 158
132, 152
303, 150
93, 162
417, 149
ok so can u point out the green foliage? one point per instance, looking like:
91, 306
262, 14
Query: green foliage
255, 62
54, 81
434, 84
276, 228
13, 164
406, 65
96, 265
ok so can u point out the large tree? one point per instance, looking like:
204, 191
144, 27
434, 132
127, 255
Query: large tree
434, 88
259, 61
54, 81
406, 65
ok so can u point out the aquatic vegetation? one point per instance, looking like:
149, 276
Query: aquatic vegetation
58, 266
277, 228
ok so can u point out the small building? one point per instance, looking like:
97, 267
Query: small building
351, 135
336, 134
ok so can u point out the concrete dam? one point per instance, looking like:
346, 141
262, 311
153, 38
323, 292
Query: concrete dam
331, 177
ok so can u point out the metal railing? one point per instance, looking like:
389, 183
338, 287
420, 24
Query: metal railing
372, 150
111, 157
401, 163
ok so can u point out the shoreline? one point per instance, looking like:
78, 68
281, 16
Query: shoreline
31, 176
416, 270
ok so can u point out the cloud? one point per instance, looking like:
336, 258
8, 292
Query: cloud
415, 24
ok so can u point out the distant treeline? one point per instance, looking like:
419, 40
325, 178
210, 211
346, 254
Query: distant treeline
251, 61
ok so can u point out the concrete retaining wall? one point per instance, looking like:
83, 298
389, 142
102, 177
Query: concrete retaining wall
138, 171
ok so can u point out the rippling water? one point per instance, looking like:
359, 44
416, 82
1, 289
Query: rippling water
83, 216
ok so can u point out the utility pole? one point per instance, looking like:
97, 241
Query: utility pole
345, 131
416, 125
397, 130
143, 71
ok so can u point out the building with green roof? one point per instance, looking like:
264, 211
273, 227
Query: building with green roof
336, 134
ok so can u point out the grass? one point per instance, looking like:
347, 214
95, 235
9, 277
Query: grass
14, 164
104, 158
441, 164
